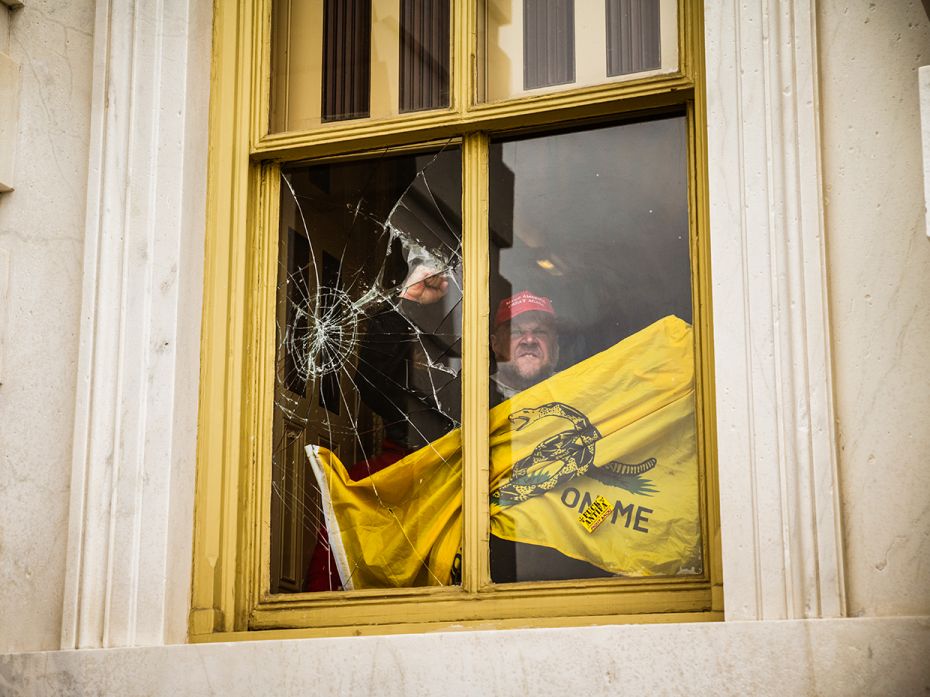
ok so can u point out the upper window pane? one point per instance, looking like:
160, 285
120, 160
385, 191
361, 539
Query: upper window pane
536, 46
339, 60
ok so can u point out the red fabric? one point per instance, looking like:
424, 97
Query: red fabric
322, 575
391, 452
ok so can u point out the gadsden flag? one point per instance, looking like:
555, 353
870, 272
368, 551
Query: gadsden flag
598, 462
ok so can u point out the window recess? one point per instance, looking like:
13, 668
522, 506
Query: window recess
474, 348
346, 59
548, 43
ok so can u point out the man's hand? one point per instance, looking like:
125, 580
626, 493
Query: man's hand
425, 285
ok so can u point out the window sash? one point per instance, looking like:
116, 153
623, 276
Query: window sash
466, 111
231, 574
331, 609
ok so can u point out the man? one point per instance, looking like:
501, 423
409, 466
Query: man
525, 347
525, 344
400, 373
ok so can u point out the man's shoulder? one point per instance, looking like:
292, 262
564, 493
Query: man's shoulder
500, 392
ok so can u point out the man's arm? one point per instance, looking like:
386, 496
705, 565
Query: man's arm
393, 353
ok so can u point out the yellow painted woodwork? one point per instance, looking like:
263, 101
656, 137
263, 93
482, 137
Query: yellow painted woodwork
297, 60
464, 626
590, 42
475, 363
230, 599
385, 68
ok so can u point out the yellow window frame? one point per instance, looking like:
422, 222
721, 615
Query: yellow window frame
231, 518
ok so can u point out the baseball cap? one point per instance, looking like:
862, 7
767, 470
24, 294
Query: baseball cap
521, 302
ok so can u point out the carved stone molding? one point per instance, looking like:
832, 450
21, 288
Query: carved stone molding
782, 548
129, 545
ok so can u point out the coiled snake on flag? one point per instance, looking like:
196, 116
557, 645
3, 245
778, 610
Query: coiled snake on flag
573, 448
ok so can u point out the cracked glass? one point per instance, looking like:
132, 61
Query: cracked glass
594, 468
366, 471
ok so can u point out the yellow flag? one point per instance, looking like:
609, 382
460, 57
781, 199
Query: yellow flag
614, 433
399, 527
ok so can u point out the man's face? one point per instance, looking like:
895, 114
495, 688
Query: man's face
526, 348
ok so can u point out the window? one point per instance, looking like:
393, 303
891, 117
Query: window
456, 361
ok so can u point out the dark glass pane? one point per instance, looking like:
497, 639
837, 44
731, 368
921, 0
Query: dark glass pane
592, 386
632, 36
346, 59
548, 42
424, 54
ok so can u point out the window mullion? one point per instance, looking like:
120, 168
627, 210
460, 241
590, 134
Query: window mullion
463, 48
475, 340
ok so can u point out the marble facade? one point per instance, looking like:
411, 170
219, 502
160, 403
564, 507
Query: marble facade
821, 271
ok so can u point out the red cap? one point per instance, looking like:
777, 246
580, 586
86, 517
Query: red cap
521, 302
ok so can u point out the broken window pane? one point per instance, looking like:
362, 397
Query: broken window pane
365, 461
594, 469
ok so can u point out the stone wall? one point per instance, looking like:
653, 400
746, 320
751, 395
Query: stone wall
42, 232
879, 286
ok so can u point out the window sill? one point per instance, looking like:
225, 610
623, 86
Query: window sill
808, 656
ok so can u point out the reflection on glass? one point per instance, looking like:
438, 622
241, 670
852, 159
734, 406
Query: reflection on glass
336, 60
593, 448
367, 375
528, 46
